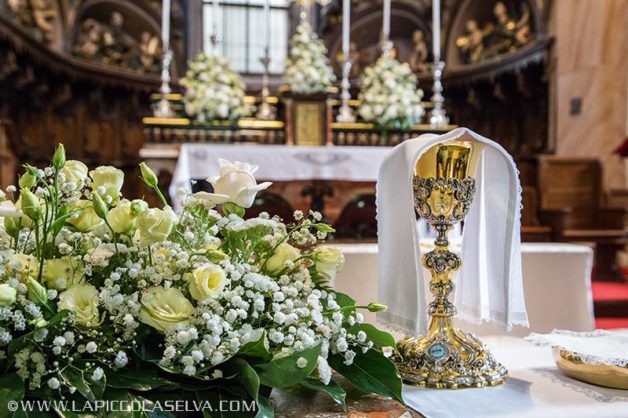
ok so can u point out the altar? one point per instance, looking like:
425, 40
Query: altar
552, 273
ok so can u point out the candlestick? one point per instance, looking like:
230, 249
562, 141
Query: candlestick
436, 29
438, 117
386, 24
265, 111
164, 109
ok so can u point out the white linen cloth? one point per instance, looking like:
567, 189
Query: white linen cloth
535, 389
489, 285
553, 272
599, 347
279, 162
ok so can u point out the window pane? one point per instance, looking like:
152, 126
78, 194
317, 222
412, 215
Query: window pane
242, 26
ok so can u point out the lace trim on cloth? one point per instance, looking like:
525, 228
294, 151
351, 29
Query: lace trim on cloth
597, 347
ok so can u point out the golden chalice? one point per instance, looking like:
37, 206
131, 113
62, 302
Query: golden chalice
446, 357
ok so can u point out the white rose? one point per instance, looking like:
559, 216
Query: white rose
236, 184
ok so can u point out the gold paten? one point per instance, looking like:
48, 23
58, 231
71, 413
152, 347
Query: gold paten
447, 357
597, 374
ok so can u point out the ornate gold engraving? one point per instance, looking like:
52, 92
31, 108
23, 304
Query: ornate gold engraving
446, 357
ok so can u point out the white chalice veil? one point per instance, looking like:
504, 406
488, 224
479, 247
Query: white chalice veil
489, 285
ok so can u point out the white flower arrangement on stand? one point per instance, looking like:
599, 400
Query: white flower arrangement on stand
213, 90
308, 69
389, 97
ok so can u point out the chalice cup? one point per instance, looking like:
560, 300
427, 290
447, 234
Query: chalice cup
446, 357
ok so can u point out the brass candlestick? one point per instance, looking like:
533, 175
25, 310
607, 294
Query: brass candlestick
447, 357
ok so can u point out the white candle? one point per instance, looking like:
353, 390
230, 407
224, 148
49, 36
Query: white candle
436, 29
165, 25
267, 20
215, 17
386, 20
346, 25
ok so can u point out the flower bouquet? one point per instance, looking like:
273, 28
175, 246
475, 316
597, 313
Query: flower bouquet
389, 98
104, 299
213, 90
307, 68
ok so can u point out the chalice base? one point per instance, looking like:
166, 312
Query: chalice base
447, 358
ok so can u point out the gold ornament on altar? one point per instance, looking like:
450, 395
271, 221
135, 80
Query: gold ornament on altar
446, 357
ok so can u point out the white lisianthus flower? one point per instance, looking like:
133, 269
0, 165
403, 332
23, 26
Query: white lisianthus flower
7, 294
82, 300
74, 172
23, 265
8, 210
61, 273
109, 180
329, 261
122, 217
236, 184
207, 281
85, 218
284, 253
155, 225
164, 309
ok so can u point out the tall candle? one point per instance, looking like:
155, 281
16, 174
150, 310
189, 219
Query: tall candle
436, 29
165, 25
267, 32
215, 17
346, 25
386, 20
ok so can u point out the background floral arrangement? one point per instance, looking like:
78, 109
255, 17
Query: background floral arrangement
106, 298
388, 97
213, 90
307, 68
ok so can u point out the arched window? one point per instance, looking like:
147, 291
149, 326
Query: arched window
241, 25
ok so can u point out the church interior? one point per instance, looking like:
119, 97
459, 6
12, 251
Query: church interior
302, 89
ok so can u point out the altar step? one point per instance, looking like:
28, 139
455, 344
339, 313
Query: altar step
610, 303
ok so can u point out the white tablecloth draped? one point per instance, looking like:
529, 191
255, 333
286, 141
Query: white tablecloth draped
280, 162
535, 389
556, 280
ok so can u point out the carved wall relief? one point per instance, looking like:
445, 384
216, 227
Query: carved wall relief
506, 31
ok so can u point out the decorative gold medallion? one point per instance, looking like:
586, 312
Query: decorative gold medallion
447, 357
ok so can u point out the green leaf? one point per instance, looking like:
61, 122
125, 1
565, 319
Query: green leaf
336, 392
264, 408
284, 372
344, 300
143, 379
256, 351
74, 376
379, 338
370, 372
11, 390
247, 377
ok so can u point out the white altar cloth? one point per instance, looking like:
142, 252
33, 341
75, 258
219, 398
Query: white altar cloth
556, 280
280, 162
536, 389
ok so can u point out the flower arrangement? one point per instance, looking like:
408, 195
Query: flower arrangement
307, 68
104, 298
213, 90
389, 97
